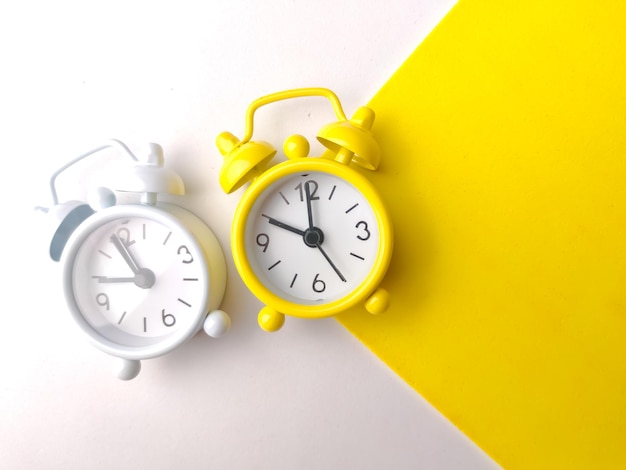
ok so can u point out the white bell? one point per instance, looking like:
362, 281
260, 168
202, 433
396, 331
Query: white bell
61, 221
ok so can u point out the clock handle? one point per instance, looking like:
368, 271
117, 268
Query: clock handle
286, 95
110, 143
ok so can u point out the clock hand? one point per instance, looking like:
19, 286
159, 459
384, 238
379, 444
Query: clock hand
309, 212
332, 265
109, 280
123, 249
144, 278
283, 225
312, 238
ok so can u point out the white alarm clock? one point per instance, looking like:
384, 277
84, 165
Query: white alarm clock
139, 279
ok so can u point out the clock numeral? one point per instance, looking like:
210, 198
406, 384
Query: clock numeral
169, 320
263, 240
124, 235
312, 188
103, 300
361, 224
318, 284
183, 250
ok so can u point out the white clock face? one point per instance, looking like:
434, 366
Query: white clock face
137, 280
312, 238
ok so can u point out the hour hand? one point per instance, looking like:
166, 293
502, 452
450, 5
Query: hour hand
143, 278
283, 225
111, 280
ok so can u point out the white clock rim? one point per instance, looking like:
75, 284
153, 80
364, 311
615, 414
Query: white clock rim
159, 214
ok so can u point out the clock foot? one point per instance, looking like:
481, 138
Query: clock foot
270, 320
216, 323
128, 369
378, 302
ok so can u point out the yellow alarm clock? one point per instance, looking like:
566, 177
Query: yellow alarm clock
311, 237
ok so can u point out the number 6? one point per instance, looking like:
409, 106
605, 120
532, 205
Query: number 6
318, 284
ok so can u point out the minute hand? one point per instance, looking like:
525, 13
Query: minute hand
309, 210
121, 247
332, 265
283, 225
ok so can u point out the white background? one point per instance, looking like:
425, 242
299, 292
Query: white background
310, 396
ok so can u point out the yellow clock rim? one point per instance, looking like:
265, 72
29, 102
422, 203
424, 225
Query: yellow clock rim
259, 185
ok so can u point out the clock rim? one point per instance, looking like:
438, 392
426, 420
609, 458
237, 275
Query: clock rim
166, 214
311, 164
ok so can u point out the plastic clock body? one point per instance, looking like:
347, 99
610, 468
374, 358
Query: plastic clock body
139, 280
311, 238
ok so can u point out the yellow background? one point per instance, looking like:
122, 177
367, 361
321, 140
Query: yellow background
504, 147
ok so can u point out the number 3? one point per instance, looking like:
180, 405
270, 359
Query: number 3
183, 250
363, 226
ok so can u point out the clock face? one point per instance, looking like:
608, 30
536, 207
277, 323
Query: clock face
138, 280
312, 238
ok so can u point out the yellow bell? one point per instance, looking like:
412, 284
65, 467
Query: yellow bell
352, 140
242, 162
